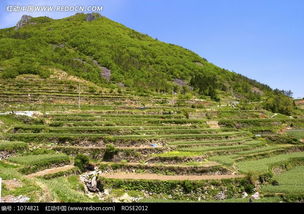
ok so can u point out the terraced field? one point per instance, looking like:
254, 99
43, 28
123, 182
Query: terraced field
149, 148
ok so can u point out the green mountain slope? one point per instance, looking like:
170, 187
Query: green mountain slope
108, 53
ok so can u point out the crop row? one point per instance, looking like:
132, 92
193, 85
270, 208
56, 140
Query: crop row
163, 169
33, 163
209, 142
11, 146
253, 153
116, 130
247, 145
262, 165
64, 137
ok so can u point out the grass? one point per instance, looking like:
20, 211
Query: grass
232, 200
113, 130
207, 142
38, 137
246, 145
290, 182
38, 159
7, 121
299, 134
34, 163
230, 159
12, 146
67, 189
29, 188
8, 171
262, 165
178, 154
224, 159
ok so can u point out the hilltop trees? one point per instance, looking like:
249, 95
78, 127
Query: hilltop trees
279, 103
24, 66
207, 84
288, 93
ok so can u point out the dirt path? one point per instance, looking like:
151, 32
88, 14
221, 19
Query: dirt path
50, 171
46, 194
213, 124
207, 164
147, 176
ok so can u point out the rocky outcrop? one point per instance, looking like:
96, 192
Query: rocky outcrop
180, 82
90, 181
25, 19
92, 16
220, 196
4, 155
105, 73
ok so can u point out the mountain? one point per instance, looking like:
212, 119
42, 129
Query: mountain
109, 54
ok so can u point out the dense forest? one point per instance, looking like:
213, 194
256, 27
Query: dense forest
108, 53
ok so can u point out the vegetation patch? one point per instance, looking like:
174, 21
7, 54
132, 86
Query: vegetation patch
13, 146
181, 189
265, 164
290, 182
34, 163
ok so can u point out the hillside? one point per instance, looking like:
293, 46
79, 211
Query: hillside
109, 54
83, 119
154, 148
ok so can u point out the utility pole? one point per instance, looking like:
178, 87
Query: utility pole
79, 96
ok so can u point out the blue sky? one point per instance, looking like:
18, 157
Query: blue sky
261, 39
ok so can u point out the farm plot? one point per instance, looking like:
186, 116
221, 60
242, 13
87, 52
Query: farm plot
34, 163
297, 133
263, 165
289, 182
150, 146
140, 176
11, 146
253, 153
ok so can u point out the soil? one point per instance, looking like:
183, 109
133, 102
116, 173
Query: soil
50, 171
168, 177
12, 184
208, 164
213, 124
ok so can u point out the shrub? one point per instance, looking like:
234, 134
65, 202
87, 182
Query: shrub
109, 152
282, 139
41, 151
265, 178
275, 183
249, 183
82, 162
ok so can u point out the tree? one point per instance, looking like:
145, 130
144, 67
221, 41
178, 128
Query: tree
206, 84
82, 162
279, 103
109, 152
288, 93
